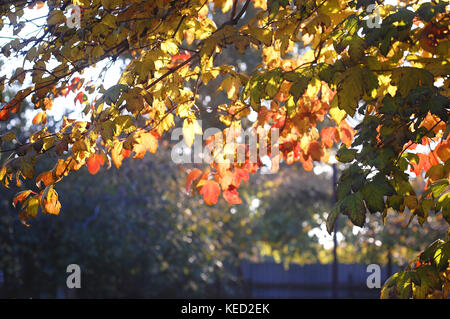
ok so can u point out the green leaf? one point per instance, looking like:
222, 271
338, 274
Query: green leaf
325, 72
444, 203
409, 78
332, 217
273, 84
345, 155
299, 87
112, 94
350, 90
440, 259
353, 206
396, 202
429, 277
439, 186
56, 17
404, 285
374, 197
124, 123
427, 10
429, 252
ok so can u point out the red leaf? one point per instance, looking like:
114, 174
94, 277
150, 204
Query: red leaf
79, 98
180, 57
126, 153
192, 176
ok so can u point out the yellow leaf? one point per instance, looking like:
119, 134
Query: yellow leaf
263, 35
145, 141
231, 87
116, 153
260, 4
169, 47
337, 114
50, 203
183, 109
166, 124
190, 128
32, 207
313, 87
227, 5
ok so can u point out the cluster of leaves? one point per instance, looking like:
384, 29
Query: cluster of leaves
131, 116
426, 277
402, 108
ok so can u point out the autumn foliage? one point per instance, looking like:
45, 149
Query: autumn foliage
376, 98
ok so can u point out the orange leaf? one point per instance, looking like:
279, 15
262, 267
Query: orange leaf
210, 191
20, 197
346, 133
443, 151
94, 162
116, 153
51, 202
40, 117
46, 178
240, 174
232, 197
307, 163
192, 176
424, 164
224, 179
4, 114
328, 136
